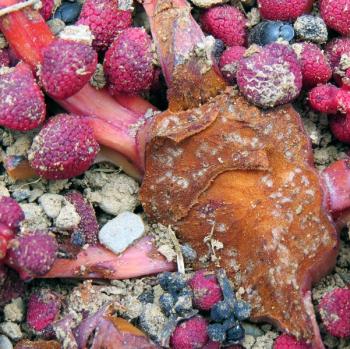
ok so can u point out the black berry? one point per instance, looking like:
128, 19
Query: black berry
78, 238
166, 302
172, 282
68, 12
270, 31
218, 49
235, 333
221, 311
241, 310
216, 332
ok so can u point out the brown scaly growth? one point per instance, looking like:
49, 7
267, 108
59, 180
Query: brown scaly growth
227, 171
245, 178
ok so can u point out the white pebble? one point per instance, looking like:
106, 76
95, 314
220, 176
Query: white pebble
121, 231
12, 330
51, 204
14, 311
68, 217
5, 343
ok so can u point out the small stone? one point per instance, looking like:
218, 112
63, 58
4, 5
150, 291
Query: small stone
20, 194
11, 330
98, 80
188, 252
183, 304
56, 25
242, 310
166, 302
51, 204
168, 252
20, 147
217, 332
120, 232
207, 3
3, 42
113, 192
134, 307
5, 343
152, 320
14, 311
252, 330
125, 5
3, 190
68, 217
311, 28
35, 217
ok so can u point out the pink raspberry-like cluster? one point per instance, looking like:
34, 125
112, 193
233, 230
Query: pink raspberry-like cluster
284, 10
105, 20
128, 62
271, 76
67, 66
64, 148
226, 23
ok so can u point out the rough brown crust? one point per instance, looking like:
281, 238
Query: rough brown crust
264, 203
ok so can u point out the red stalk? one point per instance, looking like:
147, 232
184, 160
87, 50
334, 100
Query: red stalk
336, 178
28, 34
98, 262
187, 62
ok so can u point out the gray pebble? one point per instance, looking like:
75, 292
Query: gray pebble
121, 231
21, 194
11, 330
51, 204
311, 28
56, 25
252, 330
5, 343
188, 252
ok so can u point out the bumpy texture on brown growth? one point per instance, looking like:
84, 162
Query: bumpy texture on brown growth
227, 172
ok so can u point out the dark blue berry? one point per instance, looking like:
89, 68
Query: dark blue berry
221, 311
270, 31
226, 288
146, 297
172, 282
218, 49
235, 333
166, 302
183, 304
78, 238
68, 12
230, 322
241, 310
216, 332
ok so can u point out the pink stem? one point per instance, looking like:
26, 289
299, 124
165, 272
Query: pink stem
98, 262
336, 178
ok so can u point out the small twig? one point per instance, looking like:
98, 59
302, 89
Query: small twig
179, 256
16, 7
27, 183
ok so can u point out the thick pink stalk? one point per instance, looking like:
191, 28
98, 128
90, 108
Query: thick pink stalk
185, 54
98, 262
336, 178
